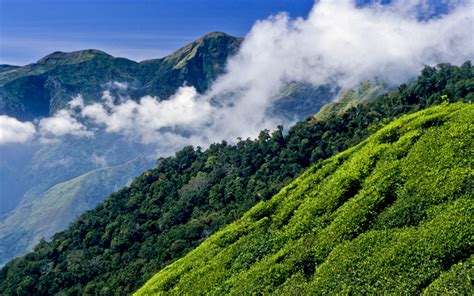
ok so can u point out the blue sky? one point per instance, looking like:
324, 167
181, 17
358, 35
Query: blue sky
136, 29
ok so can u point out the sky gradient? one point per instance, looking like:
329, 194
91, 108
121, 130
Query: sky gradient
136, 29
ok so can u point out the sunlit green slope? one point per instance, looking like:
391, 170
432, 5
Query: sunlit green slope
392, 215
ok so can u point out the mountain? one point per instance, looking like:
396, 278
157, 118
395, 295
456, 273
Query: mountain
33, 173
43, 88
392, 215
13, 159
365, 93
298, 101
171, 209
197, 64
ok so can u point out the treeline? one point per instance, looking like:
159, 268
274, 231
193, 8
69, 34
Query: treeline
169, 210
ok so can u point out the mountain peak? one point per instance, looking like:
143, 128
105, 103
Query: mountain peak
215, 35
213, 43
59, 57
210, 39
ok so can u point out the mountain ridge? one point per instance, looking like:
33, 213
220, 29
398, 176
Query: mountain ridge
72, 57
5, 67
42, 88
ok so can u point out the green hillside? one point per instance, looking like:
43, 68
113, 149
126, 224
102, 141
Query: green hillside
169, 210
392, 215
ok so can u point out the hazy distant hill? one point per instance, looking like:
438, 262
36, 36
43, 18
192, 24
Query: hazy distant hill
4, 68
52, 211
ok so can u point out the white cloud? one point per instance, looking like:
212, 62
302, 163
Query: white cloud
76, 102
144, 118
15, 131
61, 124
339, 42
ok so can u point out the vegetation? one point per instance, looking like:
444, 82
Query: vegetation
170, 210
42, 88
38, 175
392, 215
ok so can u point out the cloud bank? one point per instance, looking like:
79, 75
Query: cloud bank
61, 124
338, 44
15, 131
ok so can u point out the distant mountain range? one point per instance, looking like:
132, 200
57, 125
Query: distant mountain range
44, 87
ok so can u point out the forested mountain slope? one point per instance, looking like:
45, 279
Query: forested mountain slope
392, 215
171, 209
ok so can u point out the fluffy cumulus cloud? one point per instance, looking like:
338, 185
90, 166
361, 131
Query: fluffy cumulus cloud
15, 131
339, 44
143, 118
62, 124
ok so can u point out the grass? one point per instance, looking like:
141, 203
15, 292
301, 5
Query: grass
392, 215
